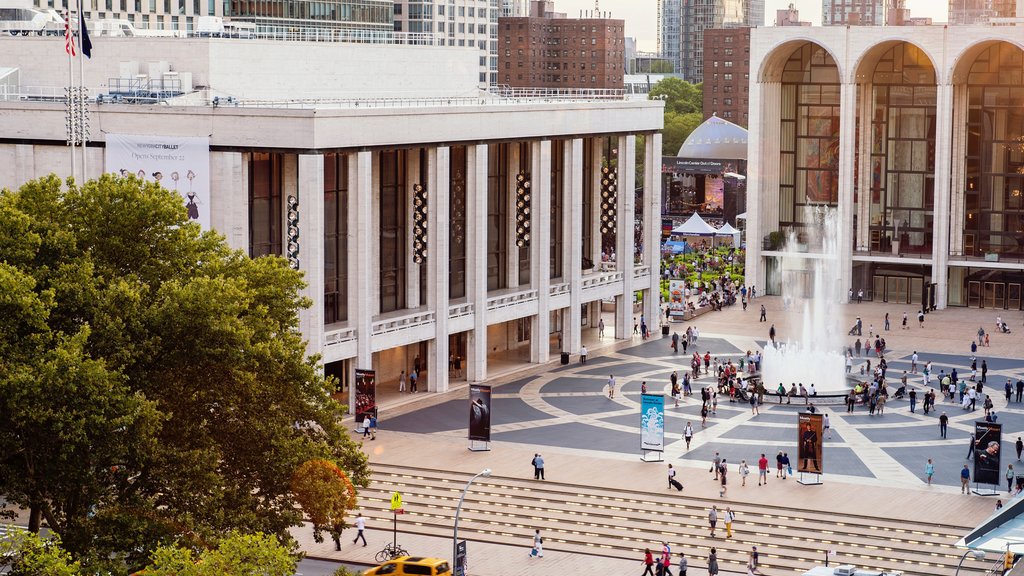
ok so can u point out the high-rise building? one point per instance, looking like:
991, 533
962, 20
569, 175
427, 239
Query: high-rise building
755, 13
789, 17
698, 16
294, 17
465, 23
548, 50
854, 12
727, 73
669, 42
980, 11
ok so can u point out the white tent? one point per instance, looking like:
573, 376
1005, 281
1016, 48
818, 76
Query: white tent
695, 226
728, 230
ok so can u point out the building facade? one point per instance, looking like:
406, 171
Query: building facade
698, 16
854, 12
540, 51
485, 280
670, 42
462, 23
727, 74
915, 137
981, 11
789, 17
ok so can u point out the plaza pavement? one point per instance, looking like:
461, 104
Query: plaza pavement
874, 464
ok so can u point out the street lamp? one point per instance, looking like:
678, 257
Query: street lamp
455, 533
976, 554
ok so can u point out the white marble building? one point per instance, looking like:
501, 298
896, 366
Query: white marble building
915, 135
353, 164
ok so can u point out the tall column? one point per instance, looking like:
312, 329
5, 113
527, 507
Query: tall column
362, 237
595, 199
959, 171
652, 225
941, 223
757, 123
847, 170
476, 260
865, 175
311, 248
625, 216
572, 228
438, 202
540, 248
512, 259
229, 204
412, 270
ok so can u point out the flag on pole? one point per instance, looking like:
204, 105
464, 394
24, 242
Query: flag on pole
69, 36
86, 43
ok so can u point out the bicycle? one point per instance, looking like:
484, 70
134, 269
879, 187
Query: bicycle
390, 552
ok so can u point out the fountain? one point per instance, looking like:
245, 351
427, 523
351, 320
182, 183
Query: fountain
812, 293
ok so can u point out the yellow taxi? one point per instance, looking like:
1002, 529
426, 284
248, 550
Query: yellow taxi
411, 566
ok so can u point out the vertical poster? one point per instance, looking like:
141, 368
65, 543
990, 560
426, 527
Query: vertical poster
808, 454
987, 443
480, 413
652, 423
178, 163
366, 393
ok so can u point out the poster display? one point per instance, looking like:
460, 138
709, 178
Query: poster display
479, 413
808, 455
178, 163
988, 437
366, 393
652, 423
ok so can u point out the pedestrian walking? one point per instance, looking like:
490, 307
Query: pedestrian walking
672, 482
713, 563
1020, 447
729, 518
360, 527
1010, 475
583, 354
920, 318
771, 333
538, 467
764, 314
721, 478
648, 563
828, 426
414, 376
538, 545
929, 471
970, 448
682, 564
715, 464
965, 480
611, 386
713, 519
600, 328
943, 423
904, 321
886, 321
688, 435
744, 472
762, 470
401, 382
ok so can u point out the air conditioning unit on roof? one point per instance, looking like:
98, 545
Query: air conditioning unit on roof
845, 570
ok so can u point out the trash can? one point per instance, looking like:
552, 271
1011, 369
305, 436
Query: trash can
565, 358
664, 330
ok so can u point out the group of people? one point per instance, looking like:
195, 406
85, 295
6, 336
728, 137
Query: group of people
662, 564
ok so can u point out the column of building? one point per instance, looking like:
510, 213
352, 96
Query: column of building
652, 227
595, 161
309, 195
758, 119
958, 194
362, 302
438, 201
847, 170
540, 248
476, 260
412, 269
572, 250
864, 175
943, 164
229, 208
625, 216
512, 254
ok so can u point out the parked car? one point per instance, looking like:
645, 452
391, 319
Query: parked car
412, 566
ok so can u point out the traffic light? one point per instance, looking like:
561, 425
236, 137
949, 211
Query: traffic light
292, 252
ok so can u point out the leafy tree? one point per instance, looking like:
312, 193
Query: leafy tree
236, 555
680, 96
26, 554
153, 382
326, 495
677, 128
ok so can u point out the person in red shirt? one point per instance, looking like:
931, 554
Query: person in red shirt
648, 562
762, 470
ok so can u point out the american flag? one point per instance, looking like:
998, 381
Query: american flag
69, 35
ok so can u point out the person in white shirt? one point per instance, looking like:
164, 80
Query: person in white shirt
360, 526
611, 386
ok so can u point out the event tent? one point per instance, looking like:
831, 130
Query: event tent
728, 230
695, 226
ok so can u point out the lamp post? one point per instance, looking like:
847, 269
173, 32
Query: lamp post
976, 554
455, 533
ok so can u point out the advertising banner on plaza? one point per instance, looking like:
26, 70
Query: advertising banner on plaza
479, 413
178, 163
652, 423
808, 454
366, 393
988, 437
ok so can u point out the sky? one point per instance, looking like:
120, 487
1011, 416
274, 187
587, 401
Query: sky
642, 19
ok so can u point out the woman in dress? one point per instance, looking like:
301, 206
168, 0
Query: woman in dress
713, 563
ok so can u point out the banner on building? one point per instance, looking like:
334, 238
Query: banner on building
479, 413
988, 437
366, 393
178, 163
652, 423
808, 454
676, 165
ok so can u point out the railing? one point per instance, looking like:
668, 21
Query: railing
499, 302
641, 271
558, 289
341, 336
459, 311
601, 280
559, 93
402, 323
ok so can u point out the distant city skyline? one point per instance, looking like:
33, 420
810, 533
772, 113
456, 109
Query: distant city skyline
642, 19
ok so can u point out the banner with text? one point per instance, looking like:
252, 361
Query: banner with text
808, 456
366, 394
178, 163
480, 413
652, 423
988, 437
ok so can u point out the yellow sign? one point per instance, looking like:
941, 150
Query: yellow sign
396, 500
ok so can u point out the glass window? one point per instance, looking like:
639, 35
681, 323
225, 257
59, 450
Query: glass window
264, 204
335, 238
392, 212
497, 211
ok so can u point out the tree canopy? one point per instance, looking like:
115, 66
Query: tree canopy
154, 387
677, 128
680, 96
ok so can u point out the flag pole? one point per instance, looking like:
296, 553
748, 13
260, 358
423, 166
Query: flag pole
72, 132
83, 98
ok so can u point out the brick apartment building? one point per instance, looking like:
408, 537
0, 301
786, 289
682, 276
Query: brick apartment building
727, 73
548, 50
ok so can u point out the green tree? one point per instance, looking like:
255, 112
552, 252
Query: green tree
26, 554
153, 382
236, 555
326, 495
680, 96
677, 128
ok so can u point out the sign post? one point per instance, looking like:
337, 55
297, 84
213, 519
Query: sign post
460, 558
808, 454
652, 426
987, 443
396, 509
479, 417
